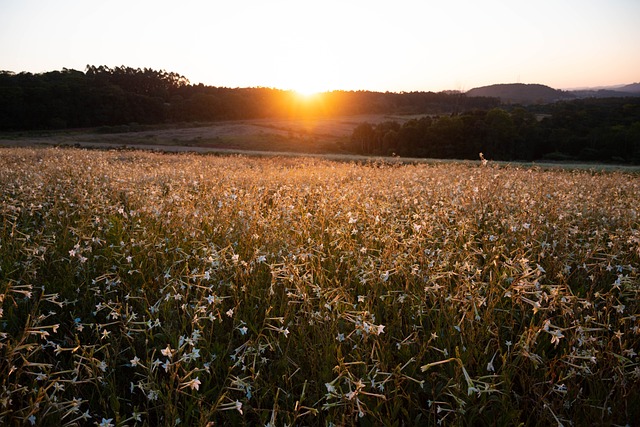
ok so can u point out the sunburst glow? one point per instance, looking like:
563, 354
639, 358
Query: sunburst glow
308, 91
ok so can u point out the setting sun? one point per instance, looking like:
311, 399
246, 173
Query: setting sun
307, 91
309, 81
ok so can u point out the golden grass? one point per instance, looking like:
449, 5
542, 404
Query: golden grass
150, 289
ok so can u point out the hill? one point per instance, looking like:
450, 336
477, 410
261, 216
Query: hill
603, 93
632, 88
520, 93
618, 91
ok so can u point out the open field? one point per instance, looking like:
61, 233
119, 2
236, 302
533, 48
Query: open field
320, 137
141, 288
308, 135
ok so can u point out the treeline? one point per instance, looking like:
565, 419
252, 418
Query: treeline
586, 129
103, 96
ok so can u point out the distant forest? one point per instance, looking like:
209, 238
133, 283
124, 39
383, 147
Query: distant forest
454, 126
103, 96
601, 130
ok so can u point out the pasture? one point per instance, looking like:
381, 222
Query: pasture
153, 289
296, 135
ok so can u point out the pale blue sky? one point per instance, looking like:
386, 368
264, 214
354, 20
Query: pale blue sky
404, 45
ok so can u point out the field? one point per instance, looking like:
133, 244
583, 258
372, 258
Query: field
151, 289
298, 135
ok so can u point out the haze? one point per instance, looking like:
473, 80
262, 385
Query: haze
317, 46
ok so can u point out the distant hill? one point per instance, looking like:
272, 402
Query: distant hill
604, 93
632, 88
520, 93
617, 91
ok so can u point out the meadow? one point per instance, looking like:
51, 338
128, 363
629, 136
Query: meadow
151, 289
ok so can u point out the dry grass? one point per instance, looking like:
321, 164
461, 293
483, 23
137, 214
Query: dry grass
149, 289
300, 135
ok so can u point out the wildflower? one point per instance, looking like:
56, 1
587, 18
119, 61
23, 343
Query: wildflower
560, 388
490, 367
243, 330
483, 160
134, 361
155, 364
32, 419
193, 384
555, 336
330, 388
167, 351
230, 312
106, 422
195, 354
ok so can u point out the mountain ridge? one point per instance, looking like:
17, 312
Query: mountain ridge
534, 93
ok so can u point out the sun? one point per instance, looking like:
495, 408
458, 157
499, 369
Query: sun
308, 86
309, 100
308, 90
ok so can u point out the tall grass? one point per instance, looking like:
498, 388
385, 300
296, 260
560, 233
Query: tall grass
149, 289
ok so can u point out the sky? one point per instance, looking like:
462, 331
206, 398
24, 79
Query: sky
397, 46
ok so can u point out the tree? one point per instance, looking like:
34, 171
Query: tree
362, 138
501, 133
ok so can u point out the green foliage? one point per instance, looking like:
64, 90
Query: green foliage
591, 130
